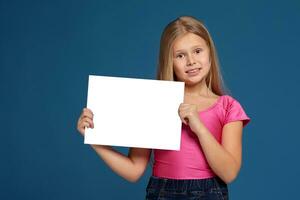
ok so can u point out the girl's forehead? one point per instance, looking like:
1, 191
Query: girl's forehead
188, 40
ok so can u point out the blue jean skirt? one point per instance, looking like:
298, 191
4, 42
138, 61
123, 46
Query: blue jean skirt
187, 189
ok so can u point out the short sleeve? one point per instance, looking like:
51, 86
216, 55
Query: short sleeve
235, 112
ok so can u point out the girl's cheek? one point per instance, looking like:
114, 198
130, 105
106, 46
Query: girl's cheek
205, 61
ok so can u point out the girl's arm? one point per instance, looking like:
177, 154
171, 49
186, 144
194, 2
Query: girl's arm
225, 159
130, 167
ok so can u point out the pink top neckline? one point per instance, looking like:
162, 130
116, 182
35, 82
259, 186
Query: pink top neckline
213, 105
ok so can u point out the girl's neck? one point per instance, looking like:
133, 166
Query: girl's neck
200, 89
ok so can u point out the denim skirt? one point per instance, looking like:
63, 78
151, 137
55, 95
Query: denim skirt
186, 189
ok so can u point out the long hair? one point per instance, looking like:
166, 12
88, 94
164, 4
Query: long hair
177, 28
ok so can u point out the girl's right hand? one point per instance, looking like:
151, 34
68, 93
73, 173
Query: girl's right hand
85, 120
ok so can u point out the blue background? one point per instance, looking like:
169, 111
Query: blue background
48, 49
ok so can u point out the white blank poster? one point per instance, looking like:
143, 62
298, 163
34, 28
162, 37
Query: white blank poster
132, 112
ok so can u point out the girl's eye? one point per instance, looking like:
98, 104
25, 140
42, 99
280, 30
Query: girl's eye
197, 51
180, 56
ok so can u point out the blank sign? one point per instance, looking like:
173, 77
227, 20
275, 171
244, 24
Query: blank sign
132, 112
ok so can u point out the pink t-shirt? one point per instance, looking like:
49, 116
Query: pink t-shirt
190, 162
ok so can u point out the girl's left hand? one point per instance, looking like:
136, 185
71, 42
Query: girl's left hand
189, 115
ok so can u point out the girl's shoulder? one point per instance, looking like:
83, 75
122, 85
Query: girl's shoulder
228, 102
233, 110
227, 97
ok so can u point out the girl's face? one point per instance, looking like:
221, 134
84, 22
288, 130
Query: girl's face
191, 59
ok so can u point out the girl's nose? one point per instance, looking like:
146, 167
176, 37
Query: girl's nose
190, 60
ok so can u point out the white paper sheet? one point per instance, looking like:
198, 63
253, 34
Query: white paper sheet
132, 112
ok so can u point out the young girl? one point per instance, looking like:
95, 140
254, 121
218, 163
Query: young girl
210, 154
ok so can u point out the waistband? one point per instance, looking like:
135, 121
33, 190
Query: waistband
185, 184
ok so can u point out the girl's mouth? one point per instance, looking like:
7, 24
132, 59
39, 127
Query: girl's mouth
193, 72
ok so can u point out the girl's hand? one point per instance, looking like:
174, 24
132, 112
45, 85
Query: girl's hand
85, 120
188, 114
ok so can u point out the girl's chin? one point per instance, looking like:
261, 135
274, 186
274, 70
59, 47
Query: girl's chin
194, 82
191, 81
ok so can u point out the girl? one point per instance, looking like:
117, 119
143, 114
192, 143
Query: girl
211, 142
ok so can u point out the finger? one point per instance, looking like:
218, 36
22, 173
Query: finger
186, 104
184, 112
183, 105
89, 121
183, 117
182, 108
85, 125
81, 127
87, 113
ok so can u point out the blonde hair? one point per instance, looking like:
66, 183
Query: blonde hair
177, 28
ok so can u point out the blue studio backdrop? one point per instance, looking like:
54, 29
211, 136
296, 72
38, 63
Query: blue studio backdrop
48, 49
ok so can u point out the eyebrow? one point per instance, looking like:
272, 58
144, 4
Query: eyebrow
193, 47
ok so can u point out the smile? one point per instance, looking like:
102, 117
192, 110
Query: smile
193, 72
